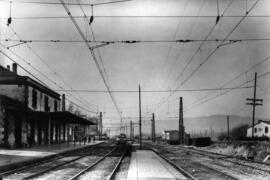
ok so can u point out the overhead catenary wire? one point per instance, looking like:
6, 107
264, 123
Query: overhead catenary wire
134, 16
186, 37
210, 55
92, 53
200, 46
50, 68
152, 91
223, 93
100, 57
235, 78
174, 37
133, 41
44, 75
69, 4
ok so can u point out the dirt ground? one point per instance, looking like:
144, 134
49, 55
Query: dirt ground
256, 150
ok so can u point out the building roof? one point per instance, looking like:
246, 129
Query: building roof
59, 116
8, 77
9, 102
260, 121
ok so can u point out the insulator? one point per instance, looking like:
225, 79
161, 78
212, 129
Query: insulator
217, 20
9, 21
91, 19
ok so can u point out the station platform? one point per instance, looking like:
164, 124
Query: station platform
147, 165
10, 158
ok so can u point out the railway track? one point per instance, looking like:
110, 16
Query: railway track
109, 162
38, 169
47, 160
77, 167
236, 167
192, 170
261, 166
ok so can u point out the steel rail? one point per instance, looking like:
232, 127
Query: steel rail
91, 166
187, 174
112, 174
225, 158
54, 167
181, 170
56, 157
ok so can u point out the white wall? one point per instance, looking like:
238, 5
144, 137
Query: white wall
260, 130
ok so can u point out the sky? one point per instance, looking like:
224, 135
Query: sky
154, 65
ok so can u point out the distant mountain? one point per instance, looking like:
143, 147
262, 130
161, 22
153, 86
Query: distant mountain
202, 125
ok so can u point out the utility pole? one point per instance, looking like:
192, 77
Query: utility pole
121, 120
153, 128
228, 128
211, 129
181, 125
131, 130
100, 124
140, 119
253, 101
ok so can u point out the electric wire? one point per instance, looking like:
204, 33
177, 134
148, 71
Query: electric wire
99, 54
44, 75
200, 46
173, 37
152, 91
187, 37
184, 41
134, 16
92, 53
235, 78
50, 68
210, 55
70, 4
223, 93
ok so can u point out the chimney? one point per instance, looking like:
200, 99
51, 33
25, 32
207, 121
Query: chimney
8, 67
63, 102
14, 68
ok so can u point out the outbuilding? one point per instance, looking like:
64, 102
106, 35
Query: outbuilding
261, 129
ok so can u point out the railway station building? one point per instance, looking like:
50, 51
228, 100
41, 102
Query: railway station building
33, 114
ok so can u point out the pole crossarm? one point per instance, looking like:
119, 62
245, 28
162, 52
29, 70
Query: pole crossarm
101, 45
21, 42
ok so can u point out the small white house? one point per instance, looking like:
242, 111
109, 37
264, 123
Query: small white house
261, 128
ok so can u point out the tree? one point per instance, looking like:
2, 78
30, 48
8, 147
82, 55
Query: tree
239, 132
70, 107
77, 112
222, 136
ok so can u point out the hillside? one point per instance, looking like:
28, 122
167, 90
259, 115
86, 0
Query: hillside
202, 125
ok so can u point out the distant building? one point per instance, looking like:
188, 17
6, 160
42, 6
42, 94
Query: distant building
30, 113
261, 129
172, 136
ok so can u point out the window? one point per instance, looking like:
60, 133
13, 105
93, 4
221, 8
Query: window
266, 129
34, 98
55, 105
255, 130
46, 104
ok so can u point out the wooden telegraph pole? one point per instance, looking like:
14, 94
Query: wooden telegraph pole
253, 101
140, 119
100, 124
131, 136
181, 125
153, 133
228, 128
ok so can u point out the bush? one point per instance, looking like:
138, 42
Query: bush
239, 132
222, 136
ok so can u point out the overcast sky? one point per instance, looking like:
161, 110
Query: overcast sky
155, 66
